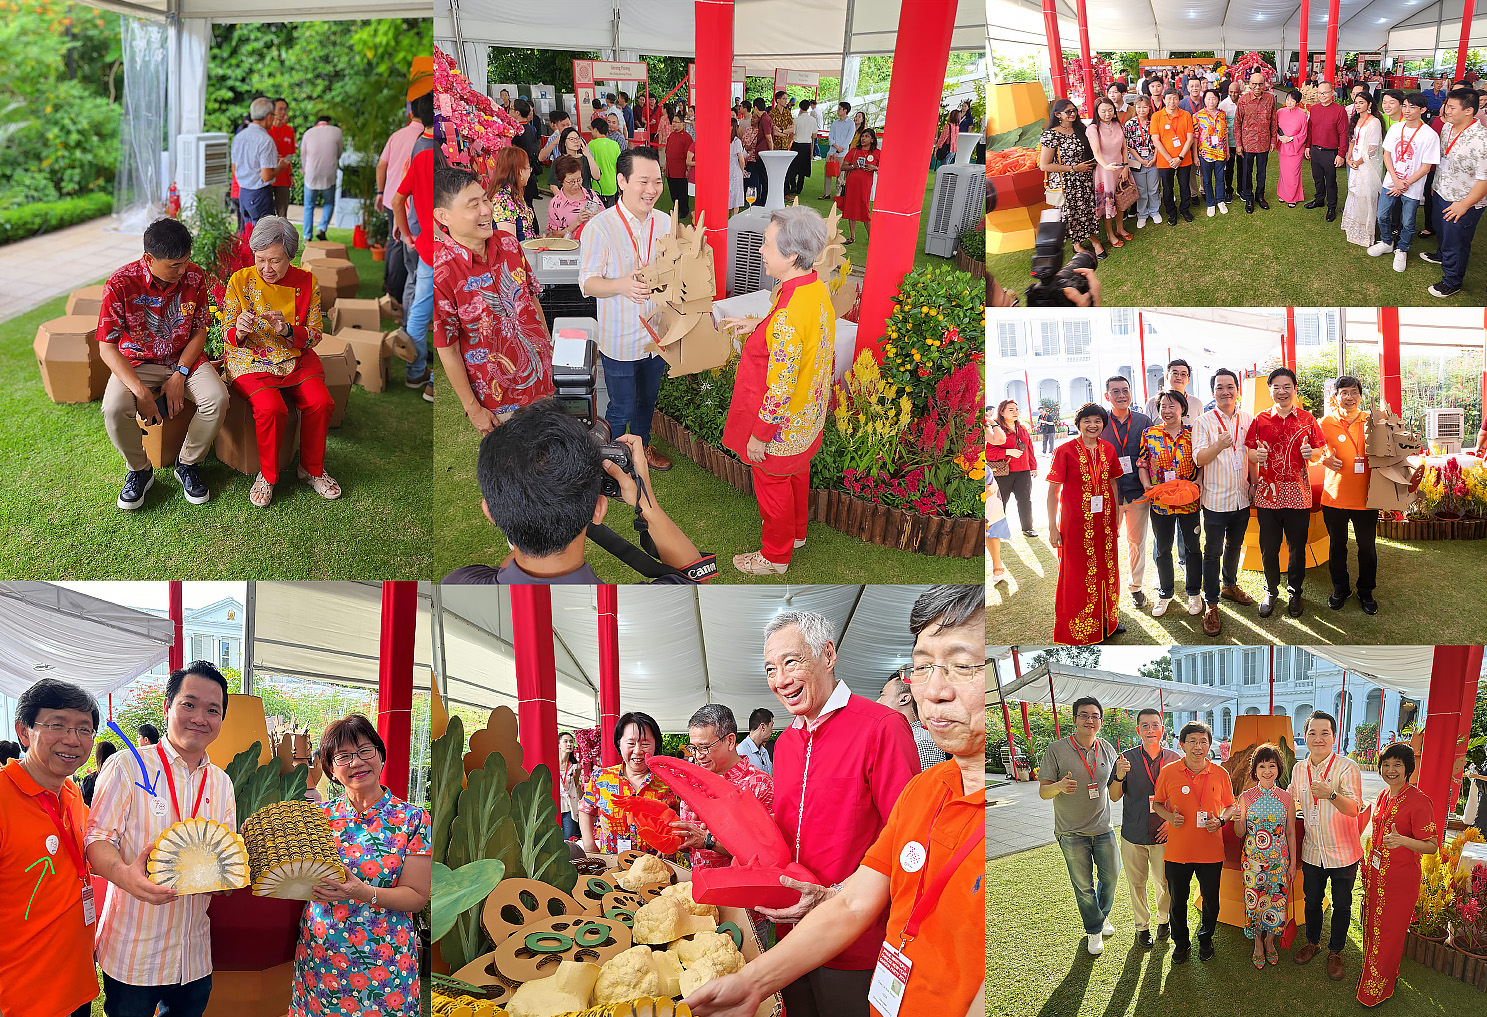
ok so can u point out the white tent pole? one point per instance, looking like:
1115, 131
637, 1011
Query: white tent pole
459, 40
847, 44
249, 621
707, 680
436, 632
616, 23
1439, 20
1342, 342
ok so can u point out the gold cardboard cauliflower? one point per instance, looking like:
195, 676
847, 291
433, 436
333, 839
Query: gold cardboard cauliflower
669, 969
627, 976
682, 892
664, 919
705, 970
567, 991
709, 944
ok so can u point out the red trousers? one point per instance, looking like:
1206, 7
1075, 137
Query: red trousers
783, 507
266, 393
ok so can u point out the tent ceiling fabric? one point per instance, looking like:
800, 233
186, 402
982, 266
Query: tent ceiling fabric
329, 631
679, 648
94, 643
1402, 669
1113, 690
232, 12
798, 34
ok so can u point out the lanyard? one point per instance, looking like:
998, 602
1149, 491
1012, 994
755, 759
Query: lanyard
1455, 138
1146, 764
1404, 148
1386, 820
1099, 470
1330, 760
65, 835
1088, 766
649, 243
1122, 438
1193, 777
170, 782
1237, 448
928, 896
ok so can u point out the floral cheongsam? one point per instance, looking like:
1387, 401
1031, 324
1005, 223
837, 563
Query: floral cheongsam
355, 960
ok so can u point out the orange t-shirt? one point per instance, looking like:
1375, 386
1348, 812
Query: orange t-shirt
46, 968
1348, 489
948, 954
1171, 131
1185, 792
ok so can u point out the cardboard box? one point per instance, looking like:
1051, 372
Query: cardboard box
87, 301
339, 362
320, 250
163, 441
337, 278
350, 312
372, 351
390, 308
67, 356
237, 441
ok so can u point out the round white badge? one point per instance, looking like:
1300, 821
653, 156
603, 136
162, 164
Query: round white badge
52, 843
1186, 790
912, 857
157, 806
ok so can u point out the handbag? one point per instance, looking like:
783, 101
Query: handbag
833, 167
1125, 193
1001, 468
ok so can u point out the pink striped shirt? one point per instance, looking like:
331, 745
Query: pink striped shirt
1226, 478
1331, 839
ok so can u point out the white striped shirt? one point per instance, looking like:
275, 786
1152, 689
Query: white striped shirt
606, 251
1226, 478
148, 944
1332, 839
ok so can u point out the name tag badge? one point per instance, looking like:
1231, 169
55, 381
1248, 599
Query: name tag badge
622, 844
1169, 475
1125, 465
913, 856
890, 979
52, 844
1377, 860
89, 913
1094, 790
1359, 464
1097, 503
157, 806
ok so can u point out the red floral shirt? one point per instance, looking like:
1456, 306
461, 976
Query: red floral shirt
1284, 482
488, 307
747, 777
151, 322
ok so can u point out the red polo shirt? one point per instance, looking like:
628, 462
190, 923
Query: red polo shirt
149, 321
834, 788
283, 136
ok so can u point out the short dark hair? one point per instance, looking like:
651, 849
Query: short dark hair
760, 716
845, 107
540, 476
1467, 97
557, 116
1348, 381
522, 105
449, 181
623, 97
1083, 702
946, 607
9, 750
283, 100
1266, 753
1154, 712
200, 668
1179, 362
1402, 751
344, 734
1222, 370
1394, 93
624, 166
600, 126
564, 165
102, 750
779, 93
167, 239
1416, 99
1277, 372
1119, 86
54, 694
760, 104
1171, 393
149, 731
1295, 93
1210, 91
1116, 377
1092, 410
1322, 715
1169, 91
423, 109
597, 104
1195, 727
324, 118
642, 720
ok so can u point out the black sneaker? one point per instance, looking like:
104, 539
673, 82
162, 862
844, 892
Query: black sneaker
1180, 955
189, 474
1440, 290
1138, 598
1205, 947
135, 486
1164, 930
1430, 256
1293, 606
1267, 604
1187, 217
1336, 602
1369, 605
1144, 940
320, 235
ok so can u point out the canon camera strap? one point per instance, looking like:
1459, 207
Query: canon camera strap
649, 563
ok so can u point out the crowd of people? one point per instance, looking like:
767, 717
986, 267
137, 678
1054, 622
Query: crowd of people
1175, 807
1192, 474
356, 950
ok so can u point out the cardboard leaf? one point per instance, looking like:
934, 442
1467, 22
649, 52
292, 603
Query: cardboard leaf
456, 891
446, 780
292, 785
1025, 136
241, 771
544, 852
482, 826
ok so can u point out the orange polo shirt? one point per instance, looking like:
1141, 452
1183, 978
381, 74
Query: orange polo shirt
46, 967
1185, 792
1171, 131
949, 953
1348, 489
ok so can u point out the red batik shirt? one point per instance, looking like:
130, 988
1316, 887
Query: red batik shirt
746, 777
151, 322
488, 307
1284, 482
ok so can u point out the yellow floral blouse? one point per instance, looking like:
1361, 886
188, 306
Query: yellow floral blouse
272, 354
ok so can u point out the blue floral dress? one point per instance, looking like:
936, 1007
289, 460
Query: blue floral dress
1266, 857
355, 960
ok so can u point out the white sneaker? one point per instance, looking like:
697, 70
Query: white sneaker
1195, 605
1096, 945
1212, 211
1109, 929
1224, 207
1401, 259
1381, 248
1140, 223
1156, 217
1160, 607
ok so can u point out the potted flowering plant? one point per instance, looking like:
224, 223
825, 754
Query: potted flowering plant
1467, 913
1453, 492
1436, 890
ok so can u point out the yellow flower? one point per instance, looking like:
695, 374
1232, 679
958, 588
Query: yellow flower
916, 356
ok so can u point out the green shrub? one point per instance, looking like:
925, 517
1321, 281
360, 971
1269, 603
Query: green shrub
699, 402
73, 139
938, 325
27, 187
43, 217
973, 243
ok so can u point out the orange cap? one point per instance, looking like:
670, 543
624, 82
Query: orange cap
420, 77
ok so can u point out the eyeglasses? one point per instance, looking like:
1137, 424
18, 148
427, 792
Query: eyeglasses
702, 750
58, 730
955, 674
342, 758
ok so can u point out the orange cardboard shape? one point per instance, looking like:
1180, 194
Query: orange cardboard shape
163, 441
372, 351
350, 312
87, 301
237, 441
337, 278
320, 250
339, 362
67, 356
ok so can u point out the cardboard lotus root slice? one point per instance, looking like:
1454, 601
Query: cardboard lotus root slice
590, 891
199, 856
292, 848
517, 904
481, 973
621, 906
536, 950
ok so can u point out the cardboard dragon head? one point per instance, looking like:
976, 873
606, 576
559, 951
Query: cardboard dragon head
683, 281
1388, 445
833, 267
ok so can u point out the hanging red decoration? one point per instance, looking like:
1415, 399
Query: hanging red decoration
474, 128
1101, 71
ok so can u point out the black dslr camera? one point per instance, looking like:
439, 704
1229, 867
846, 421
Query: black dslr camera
1050, 270
616, 452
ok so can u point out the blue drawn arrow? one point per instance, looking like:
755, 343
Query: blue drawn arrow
46, 870
149, 784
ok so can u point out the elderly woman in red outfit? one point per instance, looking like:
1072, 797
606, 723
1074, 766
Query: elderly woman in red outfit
271, 322
783, 385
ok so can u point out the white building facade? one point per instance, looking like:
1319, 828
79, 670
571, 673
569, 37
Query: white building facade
212, 633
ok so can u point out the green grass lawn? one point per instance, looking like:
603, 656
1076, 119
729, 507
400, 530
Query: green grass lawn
1411, 579
62, 478
1036, 963
1286, 256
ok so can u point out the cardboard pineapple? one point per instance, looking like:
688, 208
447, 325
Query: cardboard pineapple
682, 282
1388, 445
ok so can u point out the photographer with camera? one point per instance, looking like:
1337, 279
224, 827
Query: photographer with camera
544, 481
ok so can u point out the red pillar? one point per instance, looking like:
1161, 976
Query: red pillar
919, 58
1027, 728
1301, 61
1272, 661
1454, 675
714, 19
536, 678
1056, 50
1011, 745
609, 673
1389, 375
178, 616
1288, 340
1466, 31
395, 681
1332, 16
1089, 76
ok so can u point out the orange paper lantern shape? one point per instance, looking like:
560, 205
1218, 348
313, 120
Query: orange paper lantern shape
1172, 494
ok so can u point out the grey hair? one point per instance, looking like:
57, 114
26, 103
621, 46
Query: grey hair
816, 628
950, 606
802, 234
260, 108
275, 229
716, 716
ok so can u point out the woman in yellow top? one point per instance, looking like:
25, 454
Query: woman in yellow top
1345, 496
271, 322
783, 386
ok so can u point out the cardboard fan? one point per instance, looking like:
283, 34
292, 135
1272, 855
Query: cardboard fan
517, 904
739, 823
535, 950
199, 856
291, 848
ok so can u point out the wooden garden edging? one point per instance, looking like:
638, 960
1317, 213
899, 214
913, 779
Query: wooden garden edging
1433, 529
938, 536
1446, 959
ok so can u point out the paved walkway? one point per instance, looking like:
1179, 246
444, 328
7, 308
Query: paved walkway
36, 270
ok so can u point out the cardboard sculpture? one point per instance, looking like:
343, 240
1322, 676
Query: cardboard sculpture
833, 267
682, 282
321, 250
339, 362
350, 312
1388, 445
389, 307
290, 848
163, 441
87, 301
67, 356
237, 440
371, 350
199, 856
337, 278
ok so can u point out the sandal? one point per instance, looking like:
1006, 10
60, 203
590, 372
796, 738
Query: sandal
755, 564
261, 493
1117, 243
1000, 576
324, 485
1271, 955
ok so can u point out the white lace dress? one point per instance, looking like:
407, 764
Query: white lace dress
1360, 214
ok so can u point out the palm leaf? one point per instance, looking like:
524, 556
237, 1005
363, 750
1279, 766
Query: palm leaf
1025, 136
456, 891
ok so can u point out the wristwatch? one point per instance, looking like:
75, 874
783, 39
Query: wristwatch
182, 370
373, 901
709, 844
1332, 796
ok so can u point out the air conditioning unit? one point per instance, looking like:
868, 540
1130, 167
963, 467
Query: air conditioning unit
958, 203
745, 267
1446, 428
203, 161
